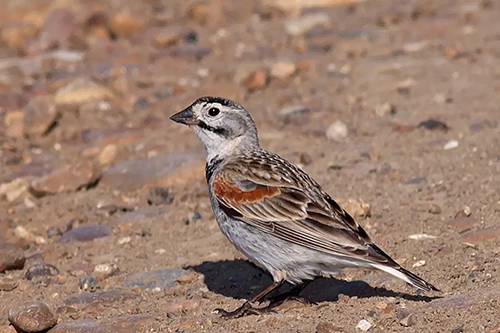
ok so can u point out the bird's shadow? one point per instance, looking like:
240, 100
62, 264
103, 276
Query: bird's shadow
241, 279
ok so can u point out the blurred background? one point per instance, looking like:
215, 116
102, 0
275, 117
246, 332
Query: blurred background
393, 106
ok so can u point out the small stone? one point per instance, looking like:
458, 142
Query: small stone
65, 179
363, 325
433, 124
168, 36
291, 111
434, 209
385, 109
33, 317
125, 324
82, 90
42, 272
416, 180
452, 144
464, 212
463, 223
108, 154
85, 233
11, 257
22, 233
104, 271
14, 190
301, 25
357, 208
14, 121
125, 25
406, 318
419, 263
184, 305
337, 131
460, 329
326, 327
162, 279
255, 80
87, 283
162, 171
305, 159
7, 284
421, 236
283, 70
160, 196
40, 116
481, 235
124, 240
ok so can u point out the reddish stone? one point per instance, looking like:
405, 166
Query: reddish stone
482, 235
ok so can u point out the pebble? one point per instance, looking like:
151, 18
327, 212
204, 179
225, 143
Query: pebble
40, 116
15, 33
256, 80
301, 25
419, 263
406, 318
416, 180
463, 223
82, 90
14, 189
42, 272
7, 284
160, 196
124, 324
87, 283
421, 236
433, 124
363, 325
464, 212
162, 279
357, 208
434, 209
482, 235
385, 109
85, 233
12, 257
108, 154
22, 233
168, 36
33, 317
104, 271
124, 240
68, 178
283, 70
452, 144
126, 25
337, 131
161, 171
459, 329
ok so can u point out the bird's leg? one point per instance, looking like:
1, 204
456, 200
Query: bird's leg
293, 294
248, 307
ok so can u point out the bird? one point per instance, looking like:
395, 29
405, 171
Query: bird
273, 212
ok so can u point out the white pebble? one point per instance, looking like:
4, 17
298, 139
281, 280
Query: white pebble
450, 145
160, 251
419, 263
421, 236
124, 240
337, 131
364, 325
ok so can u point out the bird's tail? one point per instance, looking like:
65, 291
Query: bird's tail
406, 276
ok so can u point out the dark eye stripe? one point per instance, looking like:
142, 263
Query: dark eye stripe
220, 131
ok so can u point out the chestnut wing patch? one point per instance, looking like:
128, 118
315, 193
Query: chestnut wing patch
247, 192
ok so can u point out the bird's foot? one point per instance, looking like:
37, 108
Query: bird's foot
247, 308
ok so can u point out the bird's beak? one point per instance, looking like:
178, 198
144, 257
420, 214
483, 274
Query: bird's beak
186, 117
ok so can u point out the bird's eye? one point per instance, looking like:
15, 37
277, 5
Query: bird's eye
213, 112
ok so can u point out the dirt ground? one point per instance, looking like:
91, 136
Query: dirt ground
86, 89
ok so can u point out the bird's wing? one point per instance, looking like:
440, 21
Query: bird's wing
280, 199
